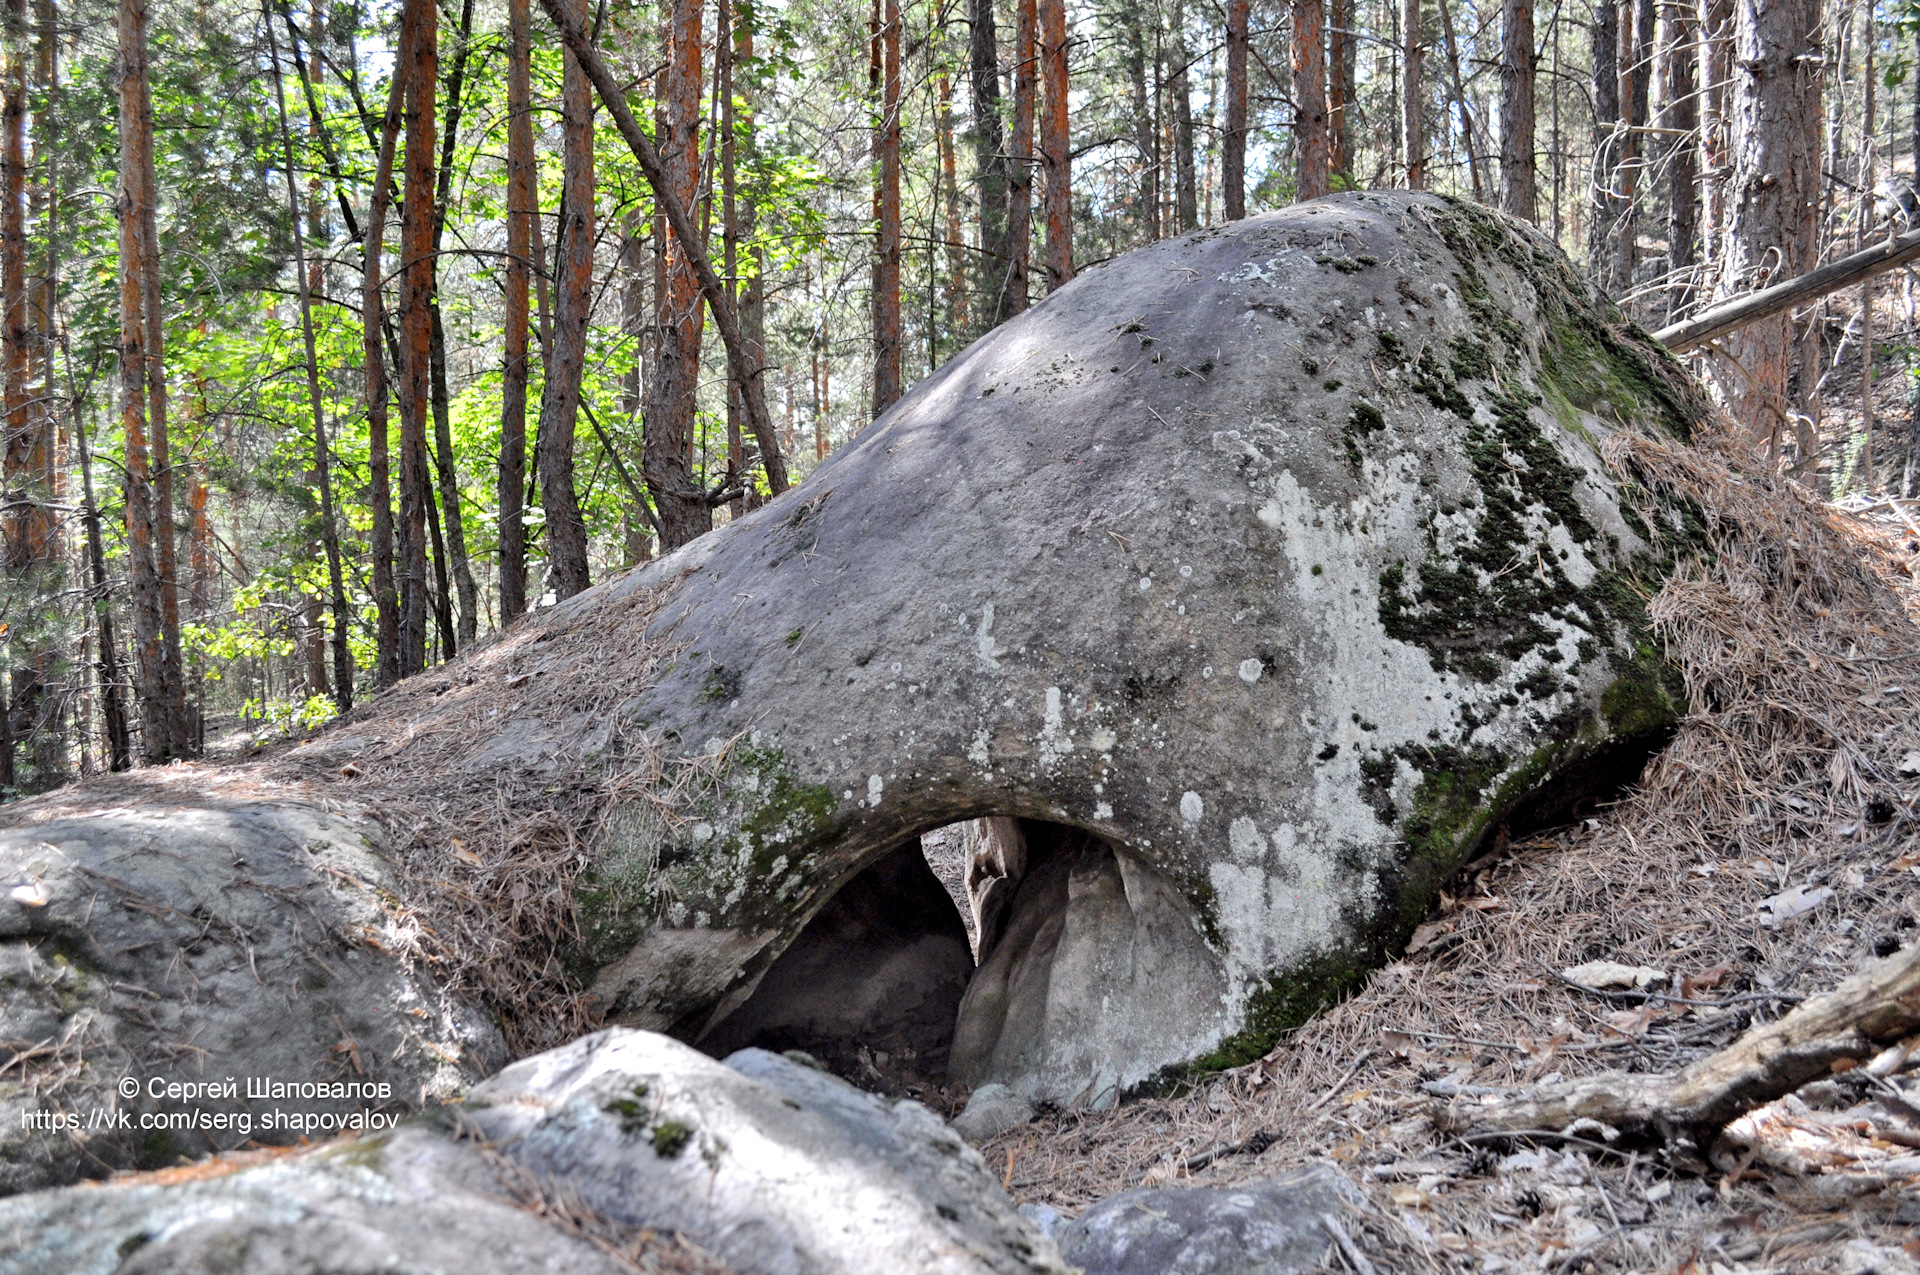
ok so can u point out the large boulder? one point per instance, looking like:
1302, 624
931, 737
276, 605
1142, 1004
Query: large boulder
618, 1142
186, 967
1250, 581
1259, 574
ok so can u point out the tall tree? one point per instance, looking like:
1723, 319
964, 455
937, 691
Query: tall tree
1636, 74
343, 675
419, 61
1516, 110
1146, 124
1413, 140
567, 358
1342, 55
667, 456
989, 161
1186, 186
1233, 156
1013, 296
1608, 144
380, 546
458, 570
161, 684
1311, 155
1056, 152
522, 209
1680, 124
886, 205
1775, 120
1716, 87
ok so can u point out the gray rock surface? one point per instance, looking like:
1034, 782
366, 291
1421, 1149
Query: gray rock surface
1264, 1228
186, 941
991, 1110
773, 1167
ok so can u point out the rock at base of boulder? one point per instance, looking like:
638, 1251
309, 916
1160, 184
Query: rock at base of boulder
1266, 1228
1097, 957
882, 966
618, 1141
992, 1110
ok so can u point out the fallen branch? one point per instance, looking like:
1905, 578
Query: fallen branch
742, 364
1764, 304
1873, 1009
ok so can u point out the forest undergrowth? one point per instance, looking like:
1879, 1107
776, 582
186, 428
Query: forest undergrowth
1769, 851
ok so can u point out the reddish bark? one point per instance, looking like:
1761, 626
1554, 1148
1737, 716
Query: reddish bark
1056, 153
522, 208
886, 208
1233, 156
1312, 172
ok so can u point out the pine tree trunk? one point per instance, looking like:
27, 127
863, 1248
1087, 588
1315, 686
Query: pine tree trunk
1146, 131
1233, 158
1413, 138
989, 160
420, 58
1342, 56
1186, 193
886, 208
144, 524
1311, 157
373, 358
1716, 79
1607, 144
459, 572
1013, 296
1055, 142
1636, 62
1462, 100
1775, 119
573, 299
343, 672
522, 208
957, 316
1517, 196
1680, 123
667, 458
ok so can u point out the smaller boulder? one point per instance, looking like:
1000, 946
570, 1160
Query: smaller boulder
991, 1110
1276, 1227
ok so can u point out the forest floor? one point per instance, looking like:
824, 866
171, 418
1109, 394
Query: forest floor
1769, 852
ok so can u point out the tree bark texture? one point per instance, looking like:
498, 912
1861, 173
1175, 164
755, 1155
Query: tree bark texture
1056, 150
1186, 187
446, 470
1517, 176
1311, 156
566, 363
522, 208
1604, 210
1013, 297
1680, 123
373, 356
1773, 194
990, 161
1413, 139
420, 62
1233, 153
886, 207
667, 456
1342, 55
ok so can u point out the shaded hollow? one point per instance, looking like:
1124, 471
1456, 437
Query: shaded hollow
881, 967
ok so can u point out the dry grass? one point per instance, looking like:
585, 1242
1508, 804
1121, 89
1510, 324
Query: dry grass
1802, 664
493, 777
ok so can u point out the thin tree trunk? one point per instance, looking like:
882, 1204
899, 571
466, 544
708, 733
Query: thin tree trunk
957, 315
1233, 157
667, 457
1013, 297
113, 702
1636, 69
1186, 196
1775, 145
1517, 178
373, 357
522, 209
343, 674
1413, 139
1680, 121
1867, 135
573, 299
1145, 132
1342, 52
145, 525
1055, 144
1607, 144
1716, 78
420, 60
1460, 98
989, 160
446, 471
724, 49
886, 207
1312, 176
